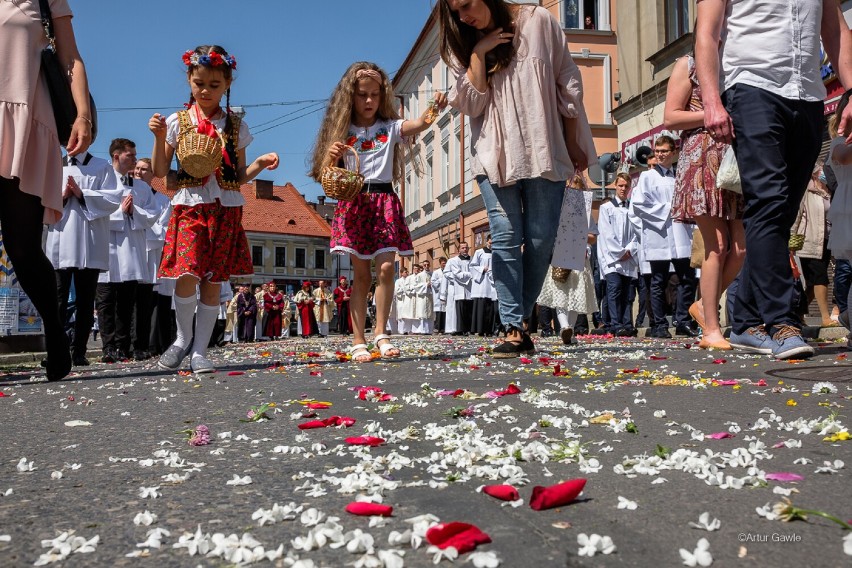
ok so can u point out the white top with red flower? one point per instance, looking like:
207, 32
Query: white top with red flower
375, 146
210, 191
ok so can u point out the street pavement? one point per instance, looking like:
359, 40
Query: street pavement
662, 432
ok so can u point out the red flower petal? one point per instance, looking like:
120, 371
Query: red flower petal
235, 373
636, 370
719, 361
365, 441
2, 394
319, 405
657, 358
526, 360
463, 537
511, 389
556, 495
312, 424
502, 492
369, 509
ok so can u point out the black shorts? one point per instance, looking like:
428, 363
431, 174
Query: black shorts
815, 270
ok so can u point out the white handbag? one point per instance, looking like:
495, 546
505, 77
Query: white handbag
728, 176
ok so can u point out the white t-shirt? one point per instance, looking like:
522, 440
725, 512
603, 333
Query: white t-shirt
375, 146
210, 191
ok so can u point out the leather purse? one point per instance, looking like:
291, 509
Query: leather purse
64, 108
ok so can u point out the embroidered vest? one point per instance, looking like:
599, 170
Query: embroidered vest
226, 175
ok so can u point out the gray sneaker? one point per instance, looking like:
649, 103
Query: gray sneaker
753, 340
173, 357
789, 343
201, 365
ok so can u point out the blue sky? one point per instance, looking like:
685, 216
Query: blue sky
286, 50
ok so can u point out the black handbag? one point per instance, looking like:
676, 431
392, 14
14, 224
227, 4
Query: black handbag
64, 108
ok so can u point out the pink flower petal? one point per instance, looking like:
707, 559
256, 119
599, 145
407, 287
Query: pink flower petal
784, 476
365, 441
463, 537
719, 435
369, 509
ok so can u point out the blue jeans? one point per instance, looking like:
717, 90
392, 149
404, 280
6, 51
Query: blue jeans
524, 217
842, 281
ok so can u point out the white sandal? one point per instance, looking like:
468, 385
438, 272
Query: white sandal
360, 350
383, 349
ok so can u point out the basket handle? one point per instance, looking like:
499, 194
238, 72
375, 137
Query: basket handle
357, 159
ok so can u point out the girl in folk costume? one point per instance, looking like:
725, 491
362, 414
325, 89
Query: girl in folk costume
205, 242
305, 304
362, 114
342, 295
323, 299
273, 306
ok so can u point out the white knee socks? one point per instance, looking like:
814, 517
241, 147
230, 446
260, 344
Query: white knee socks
205, 321
184, 312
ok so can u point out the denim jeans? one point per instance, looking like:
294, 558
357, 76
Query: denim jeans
842, 281
524, 218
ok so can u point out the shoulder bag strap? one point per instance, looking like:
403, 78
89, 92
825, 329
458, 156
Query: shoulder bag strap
47, 22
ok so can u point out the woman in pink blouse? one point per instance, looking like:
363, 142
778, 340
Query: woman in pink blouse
516, 81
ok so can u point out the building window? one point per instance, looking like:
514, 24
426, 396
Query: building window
459, 146
257, 255
280, 257
301, 258
585, 14
430, 178
319, 259
677, 19
445, 160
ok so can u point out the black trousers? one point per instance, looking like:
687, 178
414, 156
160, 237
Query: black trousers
464, 315
685, 291
618, 305
440, 321
114, 302
779, 139
546, 316
85, 283
163, 330
643, 290
142, 309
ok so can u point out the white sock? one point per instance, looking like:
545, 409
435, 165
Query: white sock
205, 321
184, 312
567, 318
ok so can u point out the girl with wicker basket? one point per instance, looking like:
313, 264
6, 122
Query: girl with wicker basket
205, 241
371, 226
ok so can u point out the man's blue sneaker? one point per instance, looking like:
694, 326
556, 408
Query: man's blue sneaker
753, 340
788, 343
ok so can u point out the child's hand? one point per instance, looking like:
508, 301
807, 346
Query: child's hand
157, 125
268, 161
440, 99
335, 152
71, 188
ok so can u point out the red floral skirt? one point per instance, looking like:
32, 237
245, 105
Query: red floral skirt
369, 225
206, 241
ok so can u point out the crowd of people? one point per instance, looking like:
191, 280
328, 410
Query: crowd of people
116, 244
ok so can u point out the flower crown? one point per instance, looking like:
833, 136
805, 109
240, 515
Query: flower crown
212, 59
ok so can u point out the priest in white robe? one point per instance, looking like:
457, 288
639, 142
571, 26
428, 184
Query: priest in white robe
482, 291
78, 245
439, 302
458, 268
421, 287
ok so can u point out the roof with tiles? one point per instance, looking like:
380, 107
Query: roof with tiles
276, 209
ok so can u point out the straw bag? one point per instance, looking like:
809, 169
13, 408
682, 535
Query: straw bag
797, 241
200, 155
560, 274
342, 184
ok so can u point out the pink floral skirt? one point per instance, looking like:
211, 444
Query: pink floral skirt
206, 241
695, 191
369, 225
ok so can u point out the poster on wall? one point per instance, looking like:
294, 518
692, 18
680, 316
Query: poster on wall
29, 320
8, 310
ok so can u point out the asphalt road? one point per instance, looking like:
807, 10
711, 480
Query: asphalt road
114, 429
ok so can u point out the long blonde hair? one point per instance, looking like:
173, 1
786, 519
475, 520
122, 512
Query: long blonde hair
339, 115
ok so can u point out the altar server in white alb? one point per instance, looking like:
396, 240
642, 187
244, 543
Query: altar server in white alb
459, 275
78, 245
128, 253
420, 286
403, 306
664, 242
482, 291
618, 256
439, 299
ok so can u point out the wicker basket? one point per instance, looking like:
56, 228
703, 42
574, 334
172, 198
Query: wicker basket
199, 154
342, 184
560, 274
796, 242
